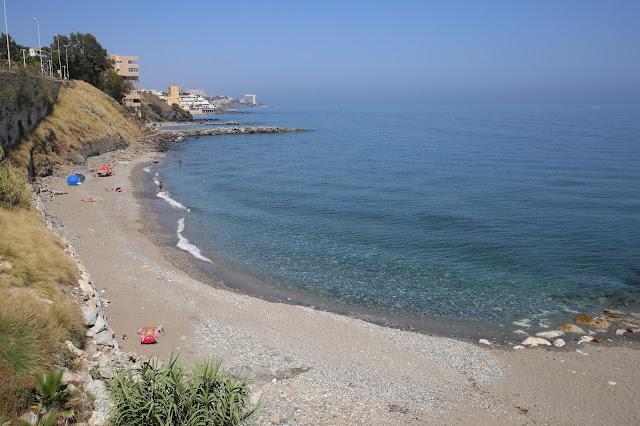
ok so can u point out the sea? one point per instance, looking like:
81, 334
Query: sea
475, 214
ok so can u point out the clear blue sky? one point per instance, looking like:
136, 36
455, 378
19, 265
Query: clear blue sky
577, 51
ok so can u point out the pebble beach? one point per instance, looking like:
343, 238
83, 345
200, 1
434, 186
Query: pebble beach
312, 366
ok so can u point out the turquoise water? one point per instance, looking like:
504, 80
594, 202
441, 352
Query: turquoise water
483, 213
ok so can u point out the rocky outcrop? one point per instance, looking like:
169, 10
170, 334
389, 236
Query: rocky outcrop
24, 101
155, 109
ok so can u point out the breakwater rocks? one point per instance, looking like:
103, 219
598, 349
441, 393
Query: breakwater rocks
178, 135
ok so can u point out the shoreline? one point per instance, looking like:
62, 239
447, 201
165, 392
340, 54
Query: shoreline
320, 367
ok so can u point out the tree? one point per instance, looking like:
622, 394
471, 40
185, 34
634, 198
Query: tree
87, 58
114, 85
14, 48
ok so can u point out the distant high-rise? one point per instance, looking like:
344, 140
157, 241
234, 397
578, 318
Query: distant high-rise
250, 99
127, 66
173, 95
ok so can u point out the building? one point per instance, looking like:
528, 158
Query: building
127, 66
173, 95
196, 92
250, 99
196, 104
37, 52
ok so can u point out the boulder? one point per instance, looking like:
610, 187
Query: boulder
550, 334
104, 338
571, 328
99, 325
90, 315
600, 323
535, 341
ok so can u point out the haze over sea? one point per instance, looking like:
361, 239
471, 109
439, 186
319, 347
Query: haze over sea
482, 213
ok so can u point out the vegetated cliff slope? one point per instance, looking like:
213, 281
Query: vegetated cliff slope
84, 122
155, 109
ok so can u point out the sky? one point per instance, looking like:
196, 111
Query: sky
340, 52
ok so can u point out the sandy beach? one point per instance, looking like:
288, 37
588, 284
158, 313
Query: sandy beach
315, 367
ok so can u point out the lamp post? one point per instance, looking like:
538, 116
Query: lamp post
39, 46
6, 30
66, 56
59, 59
24, 58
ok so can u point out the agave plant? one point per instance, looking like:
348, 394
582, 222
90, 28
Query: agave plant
168, 396
53, 396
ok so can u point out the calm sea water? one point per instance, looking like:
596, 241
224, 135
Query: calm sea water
488, 213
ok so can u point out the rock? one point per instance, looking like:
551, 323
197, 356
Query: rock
522, 323
518, 347
99, 325
521, 332
581, 353
620, 331
550, 334
485, 342
597, 339
585, 339
84, 286
30, 417
90, 315
104, 338
535, 341
613, 312
77, 352
558, 343
593, 322
571, 328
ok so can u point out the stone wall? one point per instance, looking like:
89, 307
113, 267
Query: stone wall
24, 100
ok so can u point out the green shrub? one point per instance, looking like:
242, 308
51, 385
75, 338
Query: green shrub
168, 396
13, 189
155, 108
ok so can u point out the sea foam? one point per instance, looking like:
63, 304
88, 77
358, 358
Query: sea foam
165, 196
185, 245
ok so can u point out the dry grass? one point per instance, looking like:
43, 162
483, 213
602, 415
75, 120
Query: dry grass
35, 314
80, 115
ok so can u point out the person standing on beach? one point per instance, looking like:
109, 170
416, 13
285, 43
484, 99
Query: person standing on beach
160, 185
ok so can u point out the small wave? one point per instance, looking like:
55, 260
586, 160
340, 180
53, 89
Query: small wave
165, 196
147, 169
185, 245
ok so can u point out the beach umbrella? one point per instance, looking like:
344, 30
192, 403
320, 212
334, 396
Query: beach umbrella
80, 178
73, 180
104, 169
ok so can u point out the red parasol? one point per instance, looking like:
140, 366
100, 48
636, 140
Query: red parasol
104, 168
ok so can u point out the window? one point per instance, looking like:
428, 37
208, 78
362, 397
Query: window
133, 62
133, 69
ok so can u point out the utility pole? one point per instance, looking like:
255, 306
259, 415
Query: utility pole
6, 30
66, 55
39, 46
24, 58
59, 59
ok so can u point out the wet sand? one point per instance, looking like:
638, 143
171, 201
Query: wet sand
316, 367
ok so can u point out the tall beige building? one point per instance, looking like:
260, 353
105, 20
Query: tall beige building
173, 95
127, 66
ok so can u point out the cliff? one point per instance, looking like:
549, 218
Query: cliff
83, 122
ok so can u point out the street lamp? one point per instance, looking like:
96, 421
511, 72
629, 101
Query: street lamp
39, 46
24, 58
66, 56
59, 59
6, 30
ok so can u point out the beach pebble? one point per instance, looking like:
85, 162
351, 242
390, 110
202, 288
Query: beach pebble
558, 343
620, 331
522, 324
485, 342
518, 347
585, 339
550, 334
521, 332
571, 328
535, 341
581, 353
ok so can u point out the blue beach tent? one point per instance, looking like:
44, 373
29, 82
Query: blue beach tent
73, 180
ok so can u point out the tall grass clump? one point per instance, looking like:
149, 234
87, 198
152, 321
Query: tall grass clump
13, 189
171, 396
